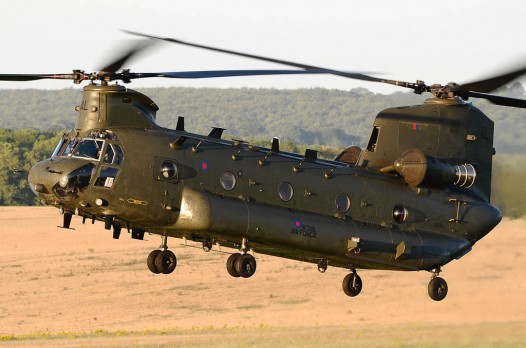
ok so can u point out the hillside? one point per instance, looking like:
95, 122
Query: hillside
333, 118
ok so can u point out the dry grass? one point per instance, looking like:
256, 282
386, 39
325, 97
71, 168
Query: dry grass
82, 288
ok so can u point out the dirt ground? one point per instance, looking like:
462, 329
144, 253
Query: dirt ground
82, 288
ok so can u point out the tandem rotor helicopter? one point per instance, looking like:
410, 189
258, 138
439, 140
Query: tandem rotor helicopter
415, 198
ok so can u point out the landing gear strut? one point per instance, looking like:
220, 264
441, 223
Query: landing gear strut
437, 287
207, 245
162, 260
352, 284
241, 264
322, 265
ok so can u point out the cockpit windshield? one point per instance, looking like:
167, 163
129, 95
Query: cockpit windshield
85, 148
89, 148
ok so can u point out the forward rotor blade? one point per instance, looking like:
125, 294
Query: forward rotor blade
221, 73
127, 54
352, 75
498, 100
33, 77
126, 76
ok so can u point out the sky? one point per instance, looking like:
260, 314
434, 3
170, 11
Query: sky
409, 40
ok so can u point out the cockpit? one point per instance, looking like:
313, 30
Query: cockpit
89, 148
75, 176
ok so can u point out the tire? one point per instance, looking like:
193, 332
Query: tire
166, 262
230, 265
352, 284
245, 265
437, 289
150, 261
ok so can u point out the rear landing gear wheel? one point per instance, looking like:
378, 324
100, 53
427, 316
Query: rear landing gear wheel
437, 289
166, 262
230, 265
245, 265
352, 284
150, 261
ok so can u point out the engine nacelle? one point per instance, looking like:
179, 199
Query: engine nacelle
418, 169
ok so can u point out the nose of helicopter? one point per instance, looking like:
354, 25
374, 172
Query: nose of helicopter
42, 177
52, 177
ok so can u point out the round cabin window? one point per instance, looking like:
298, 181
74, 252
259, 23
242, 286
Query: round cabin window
228, 181
285, 191
400, 213
169, 170
343, 203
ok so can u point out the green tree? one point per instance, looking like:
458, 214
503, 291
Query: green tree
19, 150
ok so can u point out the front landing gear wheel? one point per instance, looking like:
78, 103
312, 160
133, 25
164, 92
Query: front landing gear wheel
352, 284
230, 263
166, 262
150, 261
437, 289
245, 265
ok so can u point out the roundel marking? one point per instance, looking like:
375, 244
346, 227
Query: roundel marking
203, 165
297, 223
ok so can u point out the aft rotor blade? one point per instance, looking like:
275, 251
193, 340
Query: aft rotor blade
221, 73
492, 83
352, 75
498, 100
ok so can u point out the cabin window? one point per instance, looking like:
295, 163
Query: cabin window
400, 213
228, 181
371, 146
285, 191
164, 169
343, 203
169, 170
107, 177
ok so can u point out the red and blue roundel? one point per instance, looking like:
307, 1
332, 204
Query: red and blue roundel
203, 165
297, 223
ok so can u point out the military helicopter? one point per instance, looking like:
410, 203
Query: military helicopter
415, 198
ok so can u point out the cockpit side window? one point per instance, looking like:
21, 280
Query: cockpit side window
119, 155
107, 177
109, 155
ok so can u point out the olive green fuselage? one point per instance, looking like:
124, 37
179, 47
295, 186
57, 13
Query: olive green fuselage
282, 204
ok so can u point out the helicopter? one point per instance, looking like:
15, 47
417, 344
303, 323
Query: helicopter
414, 199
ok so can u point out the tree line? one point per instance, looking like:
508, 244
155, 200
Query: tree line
316, 116
19, 150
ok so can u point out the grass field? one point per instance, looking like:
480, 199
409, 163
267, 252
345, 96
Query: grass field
81, 288
414, 335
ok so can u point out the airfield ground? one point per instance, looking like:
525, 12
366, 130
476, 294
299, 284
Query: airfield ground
81, 288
